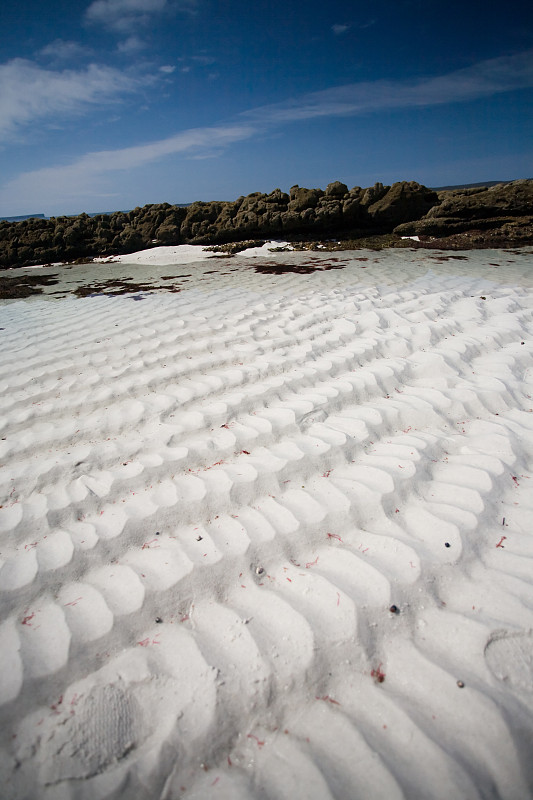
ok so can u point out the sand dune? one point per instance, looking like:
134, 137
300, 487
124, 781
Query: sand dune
271, 536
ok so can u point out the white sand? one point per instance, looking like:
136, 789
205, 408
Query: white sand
210, 501
165, 256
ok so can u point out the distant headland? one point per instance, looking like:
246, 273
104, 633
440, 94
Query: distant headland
487, 215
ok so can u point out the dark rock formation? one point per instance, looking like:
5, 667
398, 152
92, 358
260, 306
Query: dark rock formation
401, 203
336, 189
373, 194
301, 199
503, 200
478, 209
490, 233
408, 208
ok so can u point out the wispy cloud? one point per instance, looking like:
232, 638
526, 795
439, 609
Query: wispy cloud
89, 175
61, 50
199, 61
129, 15
480, 80
29, 92
131, 45
339, 29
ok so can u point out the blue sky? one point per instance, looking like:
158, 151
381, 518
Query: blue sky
111, 104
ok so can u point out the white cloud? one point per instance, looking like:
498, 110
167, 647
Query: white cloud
202, 60
129, 15
123, 14
479, 80
131, 45
167, 69
88, 176
28, 92
61, 50
339, 29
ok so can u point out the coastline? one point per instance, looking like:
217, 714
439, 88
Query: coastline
379, 216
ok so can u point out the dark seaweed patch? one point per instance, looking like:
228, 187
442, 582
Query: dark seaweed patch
448, 258
112, 288
275, 268
24, 285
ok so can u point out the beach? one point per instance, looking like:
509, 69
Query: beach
266, 527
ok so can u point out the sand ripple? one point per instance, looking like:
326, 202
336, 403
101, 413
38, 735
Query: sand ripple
269, 537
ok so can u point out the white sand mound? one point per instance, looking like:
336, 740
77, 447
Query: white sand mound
166, 256
271, 536
162, 255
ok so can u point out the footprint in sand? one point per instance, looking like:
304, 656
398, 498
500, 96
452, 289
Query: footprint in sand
106, 727
510, 658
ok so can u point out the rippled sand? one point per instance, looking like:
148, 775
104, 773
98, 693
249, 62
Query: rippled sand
269, 535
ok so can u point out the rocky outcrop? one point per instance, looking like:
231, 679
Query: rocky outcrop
402, 202
44, 241
406, 207
503, 200
302, 199
336, 189
481, 208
